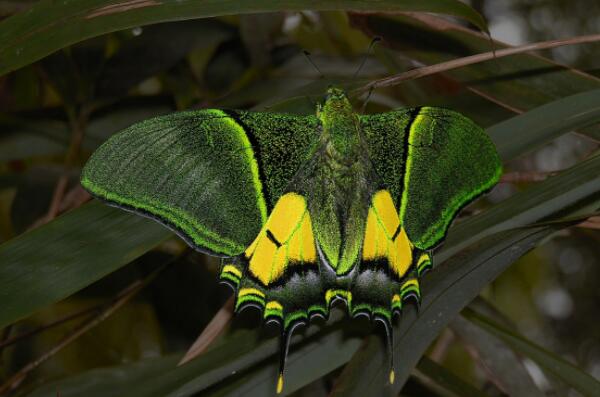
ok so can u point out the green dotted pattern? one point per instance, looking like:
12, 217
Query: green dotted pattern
200, 173
282, 143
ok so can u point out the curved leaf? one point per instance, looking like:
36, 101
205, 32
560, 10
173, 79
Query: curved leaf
505, 365
49, 26
559, 367
445, 292
447, 379
517, 83
53, 261
569, 193
528, 131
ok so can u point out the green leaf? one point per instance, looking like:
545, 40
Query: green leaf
24, 138
53, 261
447, 379
110, 381
526, 132
574, 191
49, 26
330, 350
446, 291
505, 366
520, 82
550, 362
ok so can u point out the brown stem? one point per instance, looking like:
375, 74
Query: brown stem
9, 341
591, 223
473, 59
77, 123
442, 345
210, 333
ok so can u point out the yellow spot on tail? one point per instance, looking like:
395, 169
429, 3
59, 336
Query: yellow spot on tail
251, 291
381, 240
392, 377
331, 293
280, 384
291, 239
233, 270
412, 282
395, 298
424, 257
274, 305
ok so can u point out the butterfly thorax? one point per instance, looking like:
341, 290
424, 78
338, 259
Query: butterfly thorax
340, 127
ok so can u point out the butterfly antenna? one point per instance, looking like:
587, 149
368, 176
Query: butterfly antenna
367, 99
364, 60
314, 65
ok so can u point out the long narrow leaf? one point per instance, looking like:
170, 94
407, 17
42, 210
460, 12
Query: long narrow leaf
446, 291
560, 194
52, 262
447, 379
518, 83
505, 366
526, 132
49, 26
550, 362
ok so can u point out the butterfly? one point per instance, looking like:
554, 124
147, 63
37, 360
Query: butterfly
304, 210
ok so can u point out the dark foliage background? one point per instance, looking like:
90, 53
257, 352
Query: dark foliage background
96, 302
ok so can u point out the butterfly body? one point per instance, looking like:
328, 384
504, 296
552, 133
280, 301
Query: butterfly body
304, 210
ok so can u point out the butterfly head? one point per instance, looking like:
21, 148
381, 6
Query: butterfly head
336, 100
339, 121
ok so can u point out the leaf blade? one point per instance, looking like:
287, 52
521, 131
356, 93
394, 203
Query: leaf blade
465, 274
552, 363
526, 132
46, 28
517, 83
70, 254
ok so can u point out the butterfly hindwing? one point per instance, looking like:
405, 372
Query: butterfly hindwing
210, 175
390, 263
279, 269
433, 161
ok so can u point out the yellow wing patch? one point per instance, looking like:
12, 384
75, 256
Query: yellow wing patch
385, 237
286, 236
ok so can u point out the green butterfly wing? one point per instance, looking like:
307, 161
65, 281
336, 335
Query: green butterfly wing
434, 162
212, 176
